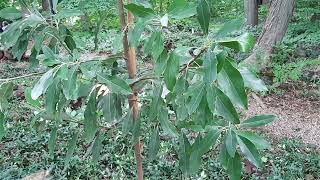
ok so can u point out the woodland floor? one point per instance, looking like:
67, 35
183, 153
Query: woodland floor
298, 116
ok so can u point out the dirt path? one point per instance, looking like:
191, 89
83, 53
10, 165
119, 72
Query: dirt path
298, 117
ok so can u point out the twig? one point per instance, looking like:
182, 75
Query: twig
185, 66
21, 77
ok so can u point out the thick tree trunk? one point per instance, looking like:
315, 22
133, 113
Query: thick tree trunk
275, 27
251, 10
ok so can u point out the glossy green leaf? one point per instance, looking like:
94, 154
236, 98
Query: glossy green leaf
251, 81
156, 101
108, 108
211, 98
6, 90
234, 167
243, 43
180, 9
52, 141
257, 140
139, 10
225, 108
171, 72
210, 63
70, 149
161, 63
231, 142
96, 148
167, 125
90, 118
41, 86
224, 156
27, 94
203, 15
10, 13
2, 122
183, 153
196, 98
70, 86
249, 151
127, 123
257, 121
52, 97
115, 84
231, 83
154, 144
49, 54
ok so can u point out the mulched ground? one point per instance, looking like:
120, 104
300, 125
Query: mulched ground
297, 117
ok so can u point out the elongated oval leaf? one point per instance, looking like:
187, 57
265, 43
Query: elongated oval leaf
231, 143
127, 123
116, 84
10, 13
257, 140
71, 147
90, 118
139, 10
27, 94
251, 81
211, 98
258, 121
210, 67
154, 144
171, 71
41, 86
166, 125
180, 9
250, 151
70, 86
231, 83
6, 90
96, 148
203, 15
2, 121
52, 141
234, 167
243, 43
196, 98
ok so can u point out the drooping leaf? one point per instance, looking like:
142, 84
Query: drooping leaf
70, 149
231, 142
211, 97
210, 67
243, 43
27, 94
6, 90
224, 156
196, 98
52, 97
70, 86
154, 144
41, 86
249, 151
156, 101
167, 125
257, 140
251, 81
135, 33
183, 153
67, 13
171, 71
2, 122
225, 108
234, 167
231, 83
90, 118
10, 13
52, 141
96, 148
139, 10
127, 123
230, 27
136, 131
71, 44
161, 63
63, 72
257, 121
115, 84
203, 15
180, 9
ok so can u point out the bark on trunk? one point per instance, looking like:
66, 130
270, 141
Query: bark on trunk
46, 6
130, 56
275, 27
251, 10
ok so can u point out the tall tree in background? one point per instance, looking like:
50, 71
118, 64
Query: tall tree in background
251, 10
276, 25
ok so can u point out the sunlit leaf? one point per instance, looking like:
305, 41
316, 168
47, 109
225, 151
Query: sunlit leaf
10, 13
180, 9
250, 151
210, 67
257, 140
251, 81
27, 94
243, 43
41, 86
257, 121
139, 10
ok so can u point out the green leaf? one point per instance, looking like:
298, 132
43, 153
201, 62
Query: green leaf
71, 147
154, 144
211, 98
90, 118
242, 43
210, 67
251, 81
249, 151
96, 148
135, 33
234, 167
63, 72
224, 156
161, 63
52, 141
6, 90
258, 121
41, 86
71, 44
70, 86
139, 10
166, 125
49, 54
52, 97
183, 153
156, 101
180, 9
127, 123
225, 108
67, 13
27, 94
115, 84
10, 13
231, 83
203, 15
257, 140
171, 72
230, 27
196, 98
231, 143
2, 122
136, 131
110, 107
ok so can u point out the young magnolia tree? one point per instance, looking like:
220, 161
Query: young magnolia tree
192, 99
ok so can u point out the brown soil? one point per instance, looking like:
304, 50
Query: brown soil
297, 117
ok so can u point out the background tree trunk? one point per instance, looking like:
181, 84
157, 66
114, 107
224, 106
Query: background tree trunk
251, 10
275, 27
46, 6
